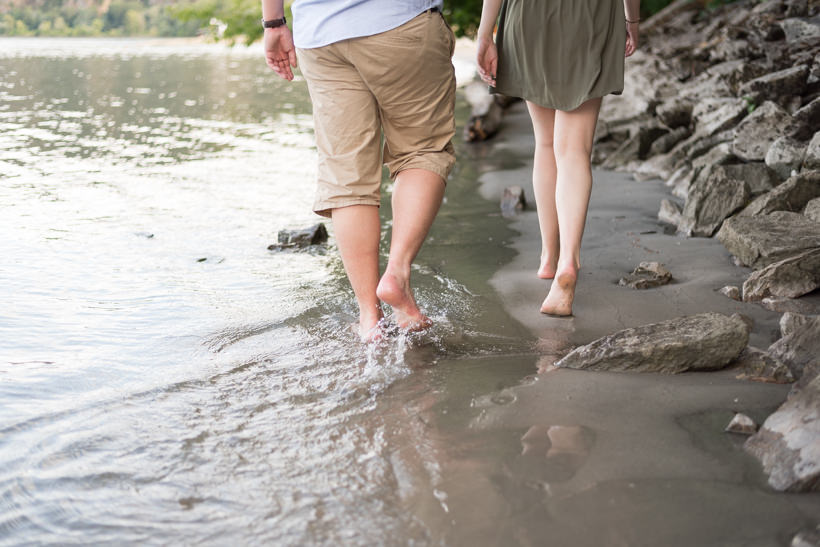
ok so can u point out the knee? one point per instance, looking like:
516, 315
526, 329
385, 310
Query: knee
572, 152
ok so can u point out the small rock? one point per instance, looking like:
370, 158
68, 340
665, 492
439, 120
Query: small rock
799, 347
786, 155
513, 201
792, 195
807, 538
485, 115
669, 212
798, 29
788, 443
812, 210
707, 341
789, 278
783, 305
755, 134
742, 424
757, 241
757, 365
730, 291
305, 237
646, 276
812, 157
665, 143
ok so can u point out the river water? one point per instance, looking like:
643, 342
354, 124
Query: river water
166, 379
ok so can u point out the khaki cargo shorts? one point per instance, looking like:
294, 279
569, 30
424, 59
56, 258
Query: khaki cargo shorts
400, 82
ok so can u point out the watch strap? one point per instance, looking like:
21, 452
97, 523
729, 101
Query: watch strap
273, 23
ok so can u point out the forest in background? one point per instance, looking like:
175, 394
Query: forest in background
233, 20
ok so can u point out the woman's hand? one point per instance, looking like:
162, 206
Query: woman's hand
631, 38
487, 59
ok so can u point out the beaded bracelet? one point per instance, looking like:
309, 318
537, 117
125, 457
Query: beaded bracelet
637, 21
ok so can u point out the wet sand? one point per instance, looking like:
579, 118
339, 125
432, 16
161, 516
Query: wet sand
652, 465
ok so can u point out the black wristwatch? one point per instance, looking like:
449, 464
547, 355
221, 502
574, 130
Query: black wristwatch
273, 23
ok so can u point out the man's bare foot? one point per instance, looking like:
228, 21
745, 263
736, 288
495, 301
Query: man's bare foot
562, 292
370, 326
396, 292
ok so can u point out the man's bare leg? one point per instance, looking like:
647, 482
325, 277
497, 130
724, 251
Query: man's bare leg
357, 232
543, 186
417, 197
574, 132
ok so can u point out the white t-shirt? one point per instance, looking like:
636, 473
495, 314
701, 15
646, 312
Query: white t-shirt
318, 23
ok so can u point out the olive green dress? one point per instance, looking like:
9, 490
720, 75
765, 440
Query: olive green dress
560, 53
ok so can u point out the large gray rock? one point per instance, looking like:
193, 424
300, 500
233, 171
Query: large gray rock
799, 345
788, 443
755, 134
757, 175
718, 114
669, 213
812, 157
792, 195
791, 81
707, 341
665, 143
790, 278
800, 29
675, 113
812, 210
757, 241
786, 155
710, 201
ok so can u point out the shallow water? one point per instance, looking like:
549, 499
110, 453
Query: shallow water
166, 379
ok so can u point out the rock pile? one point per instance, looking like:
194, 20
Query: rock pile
723, 104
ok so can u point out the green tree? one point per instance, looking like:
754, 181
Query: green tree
134, 23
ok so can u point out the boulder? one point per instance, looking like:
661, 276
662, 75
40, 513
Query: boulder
797, 30
782, 304
757, 365
710, 201
757, 175
718, 114
646, 276
513, 201
707, 341
792, 195
805, 121
669, 212
789, 278
675, 113
755, 134
665, 143
812, 157
799, 346
772, 86
788, 443
786, 155
812, 210
742, 424
757, 241
313, 235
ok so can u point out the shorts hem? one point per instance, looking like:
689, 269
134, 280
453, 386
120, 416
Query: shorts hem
323, 208
443, 172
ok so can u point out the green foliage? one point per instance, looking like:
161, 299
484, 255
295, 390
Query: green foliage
463, 15
122, 18
232, 20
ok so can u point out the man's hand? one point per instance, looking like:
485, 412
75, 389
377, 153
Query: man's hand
280, 54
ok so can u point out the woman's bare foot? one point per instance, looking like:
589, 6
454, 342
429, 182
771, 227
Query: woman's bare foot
546, 270
396, 292
562, 292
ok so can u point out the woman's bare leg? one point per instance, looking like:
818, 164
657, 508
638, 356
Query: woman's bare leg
574, 133
357, 232
543, 186
416, 199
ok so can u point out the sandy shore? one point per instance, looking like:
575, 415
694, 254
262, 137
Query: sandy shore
656, 445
